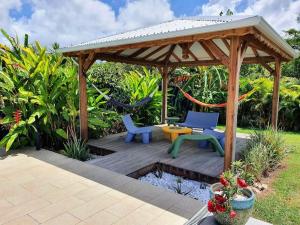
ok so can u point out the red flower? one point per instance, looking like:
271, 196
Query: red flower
17, 116
223, 181
220, 199
220, 208
211, 206
242, 183
232, 214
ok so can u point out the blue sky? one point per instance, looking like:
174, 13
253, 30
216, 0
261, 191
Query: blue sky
72, 21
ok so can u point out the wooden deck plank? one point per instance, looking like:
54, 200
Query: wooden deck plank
129, 157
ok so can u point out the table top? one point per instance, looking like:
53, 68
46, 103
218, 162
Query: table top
179, 130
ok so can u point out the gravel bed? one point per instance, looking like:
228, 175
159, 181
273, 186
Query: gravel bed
190, 188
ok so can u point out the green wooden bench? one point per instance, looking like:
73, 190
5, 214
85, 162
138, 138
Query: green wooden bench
174, 148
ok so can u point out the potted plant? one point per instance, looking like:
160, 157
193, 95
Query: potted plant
231, 200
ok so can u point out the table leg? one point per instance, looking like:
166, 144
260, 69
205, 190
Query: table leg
173, 136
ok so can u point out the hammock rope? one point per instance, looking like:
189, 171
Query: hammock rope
124, 105
220, 105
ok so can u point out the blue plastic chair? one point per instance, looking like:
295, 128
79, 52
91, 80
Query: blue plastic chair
132, 130
220, 136
201, 120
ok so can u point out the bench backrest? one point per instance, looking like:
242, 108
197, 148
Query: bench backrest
202, 119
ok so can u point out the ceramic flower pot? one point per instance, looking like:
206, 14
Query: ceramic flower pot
243, 208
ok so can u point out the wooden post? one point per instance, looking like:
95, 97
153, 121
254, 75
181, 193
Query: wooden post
275, 99
232, 100
164, 110
83, 101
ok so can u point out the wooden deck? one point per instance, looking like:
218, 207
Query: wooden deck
130, 157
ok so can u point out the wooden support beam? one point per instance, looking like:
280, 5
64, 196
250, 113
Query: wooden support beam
276, 90
165, 81
83, 113
267, 67
124, 59
89, 61
217, 52
232, 100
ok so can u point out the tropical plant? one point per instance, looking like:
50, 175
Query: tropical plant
43, 89
140, 85
75, 147
264, 151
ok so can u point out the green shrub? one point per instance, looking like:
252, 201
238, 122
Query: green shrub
76, 148
264, 151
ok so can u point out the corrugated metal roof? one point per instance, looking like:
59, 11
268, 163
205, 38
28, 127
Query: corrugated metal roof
169, 26
184, 27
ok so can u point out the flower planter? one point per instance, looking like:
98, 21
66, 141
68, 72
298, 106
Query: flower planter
243, 208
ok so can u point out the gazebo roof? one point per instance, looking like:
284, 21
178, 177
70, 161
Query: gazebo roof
188, 41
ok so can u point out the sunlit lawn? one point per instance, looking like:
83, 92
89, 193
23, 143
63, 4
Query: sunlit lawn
282, 205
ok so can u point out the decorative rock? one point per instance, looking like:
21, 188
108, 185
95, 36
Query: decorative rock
190, 188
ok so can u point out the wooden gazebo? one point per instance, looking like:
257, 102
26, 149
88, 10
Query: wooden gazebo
204, 41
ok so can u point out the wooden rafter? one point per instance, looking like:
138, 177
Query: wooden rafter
138, 52
118, 52
176, 57
124, 59
216, 51
160, 56
226, 43
207, 50
167, 58
154, 52
261, 46
255, 52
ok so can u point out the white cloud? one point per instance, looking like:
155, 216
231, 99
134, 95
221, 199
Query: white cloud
75, 21
282, 15
214, 7
144, 12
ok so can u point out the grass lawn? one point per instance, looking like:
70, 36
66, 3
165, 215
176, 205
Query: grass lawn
282, 205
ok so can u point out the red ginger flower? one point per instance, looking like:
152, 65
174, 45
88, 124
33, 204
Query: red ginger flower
232, 214
242, 183
220, 208
223, 181
220, 199
17, 116
211, 206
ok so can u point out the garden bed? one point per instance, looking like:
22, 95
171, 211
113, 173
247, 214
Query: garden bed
184, 182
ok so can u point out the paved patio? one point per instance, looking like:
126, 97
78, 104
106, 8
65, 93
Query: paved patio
42, 187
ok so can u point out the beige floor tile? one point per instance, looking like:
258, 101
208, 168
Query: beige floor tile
91, 192
21, 210
56, 209
64, 219
90, 208
4, 204
168, 219
138, 217
62, 193
125, 207
117, 194
101, 218
42, 189
24, 220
